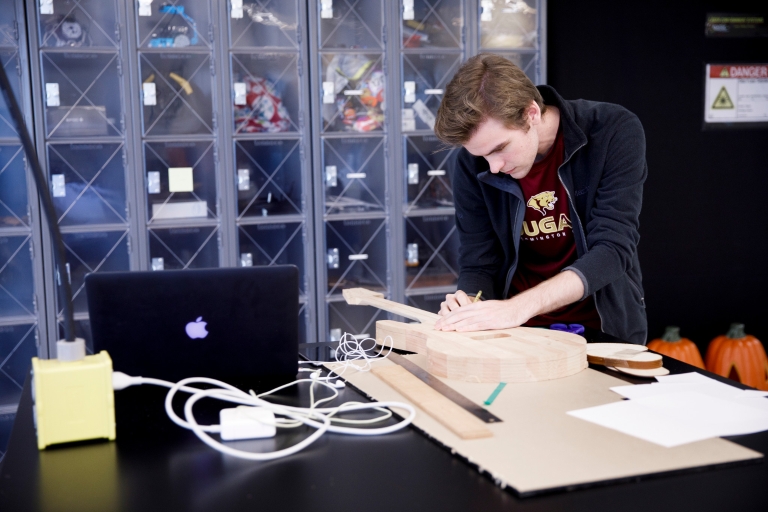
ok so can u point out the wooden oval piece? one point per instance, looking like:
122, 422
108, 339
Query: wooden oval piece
623, 355
653, 372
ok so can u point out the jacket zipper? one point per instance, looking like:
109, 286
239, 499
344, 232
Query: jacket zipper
576, 213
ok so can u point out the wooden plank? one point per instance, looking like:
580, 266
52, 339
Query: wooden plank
450, 415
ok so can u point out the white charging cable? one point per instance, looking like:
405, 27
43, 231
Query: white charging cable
319, 418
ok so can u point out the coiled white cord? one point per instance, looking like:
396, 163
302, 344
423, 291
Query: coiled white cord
319, 418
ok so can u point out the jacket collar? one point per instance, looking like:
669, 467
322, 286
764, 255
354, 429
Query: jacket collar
573, 135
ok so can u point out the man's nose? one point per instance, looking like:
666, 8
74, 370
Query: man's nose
495, 163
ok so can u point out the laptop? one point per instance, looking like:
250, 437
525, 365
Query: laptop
239, 325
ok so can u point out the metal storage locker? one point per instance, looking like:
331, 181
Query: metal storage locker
21, 264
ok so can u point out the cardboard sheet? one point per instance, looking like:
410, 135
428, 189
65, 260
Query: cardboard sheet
539, 448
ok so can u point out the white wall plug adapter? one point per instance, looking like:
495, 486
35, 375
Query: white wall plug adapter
245, 422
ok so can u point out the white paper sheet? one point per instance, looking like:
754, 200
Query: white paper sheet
677, 416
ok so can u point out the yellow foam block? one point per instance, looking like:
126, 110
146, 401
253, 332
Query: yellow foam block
73, 400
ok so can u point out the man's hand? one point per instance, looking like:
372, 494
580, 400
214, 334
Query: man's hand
481, 316
453, 301
459, 313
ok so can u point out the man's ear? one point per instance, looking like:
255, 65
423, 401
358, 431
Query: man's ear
533, 114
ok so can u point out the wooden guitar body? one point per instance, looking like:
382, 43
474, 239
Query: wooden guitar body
520, 354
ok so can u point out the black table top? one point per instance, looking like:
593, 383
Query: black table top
155, 465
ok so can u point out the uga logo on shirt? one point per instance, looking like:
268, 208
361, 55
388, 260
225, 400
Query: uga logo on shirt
543, 201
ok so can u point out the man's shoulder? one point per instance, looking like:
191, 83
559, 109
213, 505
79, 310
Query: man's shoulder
596, 114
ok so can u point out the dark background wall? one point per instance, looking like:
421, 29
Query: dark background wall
704, 225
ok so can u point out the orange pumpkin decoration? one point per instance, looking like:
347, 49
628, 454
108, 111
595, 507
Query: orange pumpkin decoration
739, 357
682, 349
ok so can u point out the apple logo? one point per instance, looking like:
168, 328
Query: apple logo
196, 329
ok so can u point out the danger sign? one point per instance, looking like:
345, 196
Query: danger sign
736, 93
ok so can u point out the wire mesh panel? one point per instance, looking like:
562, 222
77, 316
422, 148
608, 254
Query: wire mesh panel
274, 244
266, 92
176, 94
269, 178
432, 24
353, 92
183, 248
359, 321
356, 254
174, 24
351, 24
428, 178
9, 59
264, 24
425, 76
432, 250
88, 183
16, 286
180, 181
82, 94
508, 24
17, 348
96, 251
14, 211
78, 24
354, 179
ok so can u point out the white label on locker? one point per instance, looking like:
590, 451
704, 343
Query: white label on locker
333, 258
145, 9
408, 10
410, 91
150, 97
363, 336
413, 174
412, 255
180, 210
328, 92
158, 264
246, 259
486, 13
353, 92
237, 9
180, 179
356, 257
243, 179
433, 91
52, 94
424, 114
331, 176
408, 121
239, 93
153, 182
46, 6
356, 175
335, 334
58, 185
326, 9
436, 172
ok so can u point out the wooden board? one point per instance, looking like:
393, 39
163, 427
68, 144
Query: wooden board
456, 419
520, 354
538, 448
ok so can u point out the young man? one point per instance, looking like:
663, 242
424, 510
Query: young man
548, 195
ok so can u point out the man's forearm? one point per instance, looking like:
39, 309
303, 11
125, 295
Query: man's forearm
554, 293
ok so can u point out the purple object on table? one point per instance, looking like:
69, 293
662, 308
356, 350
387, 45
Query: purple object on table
572, 328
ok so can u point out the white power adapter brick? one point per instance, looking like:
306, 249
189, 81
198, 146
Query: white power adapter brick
245, 422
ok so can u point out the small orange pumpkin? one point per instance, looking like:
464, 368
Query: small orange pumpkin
740, 357
672, 345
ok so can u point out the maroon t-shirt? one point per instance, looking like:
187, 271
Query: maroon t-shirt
547, 244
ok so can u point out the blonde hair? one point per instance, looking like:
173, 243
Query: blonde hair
485, 86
